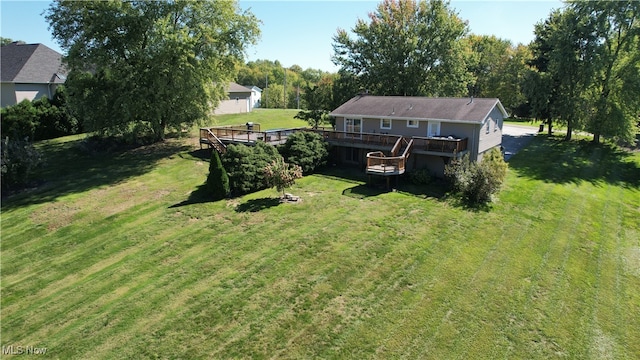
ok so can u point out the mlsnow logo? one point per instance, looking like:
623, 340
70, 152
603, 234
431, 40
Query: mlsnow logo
22, 350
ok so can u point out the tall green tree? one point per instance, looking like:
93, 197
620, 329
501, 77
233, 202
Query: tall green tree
485, 61
273, 96
318, 100
408, 47
498, 69
613, 45
149, 64
561, 57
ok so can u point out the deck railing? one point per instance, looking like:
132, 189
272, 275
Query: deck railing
442, 145
241, 134
356, 137
378, 163
213, 140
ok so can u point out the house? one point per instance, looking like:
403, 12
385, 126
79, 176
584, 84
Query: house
391, 134
29, 71
241, 99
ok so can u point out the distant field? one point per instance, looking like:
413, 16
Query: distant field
120, 256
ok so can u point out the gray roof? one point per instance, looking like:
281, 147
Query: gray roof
419, 108
31, 63
237, 88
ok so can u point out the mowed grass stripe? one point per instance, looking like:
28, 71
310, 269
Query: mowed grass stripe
97, 244
343, 274
138, 289
82, 292
432, 277
487, 286
609, 332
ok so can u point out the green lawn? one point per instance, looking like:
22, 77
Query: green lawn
268, 118
120, 256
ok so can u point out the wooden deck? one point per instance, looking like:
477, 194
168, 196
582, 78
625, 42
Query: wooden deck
241, 135
378, 163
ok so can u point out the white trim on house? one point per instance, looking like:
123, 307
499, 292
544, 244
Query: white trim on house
351, 116
417, 123
500, 107
431, 131
382, 127
346, 120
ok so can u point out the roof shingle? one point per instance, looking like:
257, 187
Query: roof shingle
31, 63
419, 108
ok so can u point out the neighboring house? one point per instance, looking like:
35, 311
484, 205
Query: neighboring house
421, 132
29, 71
241, 99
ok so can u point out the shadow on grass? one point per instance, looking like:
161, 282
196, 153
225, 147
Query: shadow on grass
256, 205
553, 160
363, 191
198, 196
437, 189
70, 169
199, 155
343, 173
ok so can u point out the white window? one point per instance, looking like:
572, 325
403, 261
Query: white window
353, 125
412, 123
495, 128
433, 128
385, 124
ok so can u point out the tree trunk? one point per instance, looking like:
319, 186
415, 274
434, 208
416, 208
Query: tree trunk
550, 123
569, 130
596, 138
160, 130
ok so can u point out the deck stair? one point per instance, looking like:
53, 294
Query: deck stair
380, 164
215, 142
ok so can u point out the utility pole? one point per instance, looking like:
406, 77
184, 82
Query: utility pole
285, 88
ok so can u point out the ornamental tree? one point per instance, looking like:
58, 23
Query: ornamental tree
281, 175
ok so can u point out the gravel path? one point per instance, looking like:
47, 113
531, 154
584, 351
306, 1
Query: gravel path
515, 137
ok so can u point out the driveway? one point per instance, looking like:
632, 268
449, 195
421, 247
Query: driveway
515, 137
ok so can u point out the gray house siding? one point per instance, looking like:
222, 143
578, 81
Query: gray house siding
491, 131
477, 120
8, 91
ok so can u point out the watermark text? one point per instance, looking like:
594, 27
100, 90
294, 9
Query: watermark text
23, 350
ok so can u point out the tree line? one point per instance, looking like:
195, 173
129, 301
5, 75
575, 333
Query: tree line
148, 67
581, 71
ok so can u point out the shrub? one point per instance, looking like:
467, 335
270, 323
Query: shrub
18, 159
420, 177
20, 121
54, 118
477, 182
40, 119
218, 180
306, 149
245, 166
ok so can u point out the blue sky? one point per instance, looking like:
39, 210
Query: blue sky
300, 32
